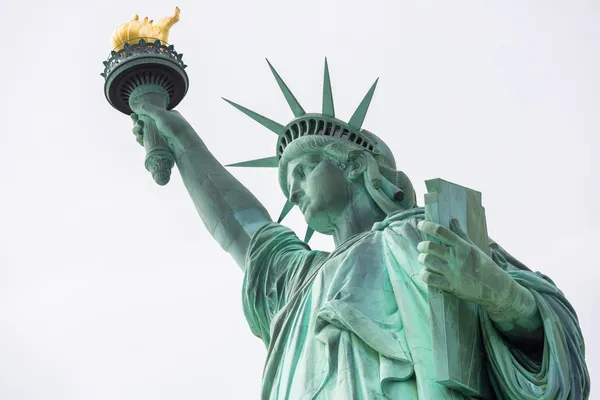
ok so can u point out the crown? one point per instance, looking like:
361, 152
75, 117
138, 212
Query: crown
320, 124
134, 30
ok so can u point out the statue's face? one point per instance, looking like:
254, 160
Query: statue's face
320, 189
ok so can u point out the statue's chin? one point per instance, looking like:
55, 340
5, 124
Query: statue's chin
318, 221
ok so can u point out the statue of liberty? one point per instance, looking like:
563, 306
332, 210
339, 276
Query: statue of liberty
354, 323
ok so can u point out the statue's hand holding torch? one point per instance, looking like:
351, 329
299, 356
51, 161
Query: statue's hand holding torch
159, 159
175, 130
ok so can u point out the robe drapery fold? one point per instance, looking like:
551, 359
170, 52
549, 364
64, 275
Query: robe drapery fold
558, 371
354, 323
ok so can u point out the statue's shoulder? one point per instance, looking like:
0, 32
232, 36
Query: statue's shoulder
400, 228
400, 220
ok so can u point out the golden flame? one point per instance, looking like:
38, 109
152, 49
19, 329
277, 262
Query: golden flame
135, 30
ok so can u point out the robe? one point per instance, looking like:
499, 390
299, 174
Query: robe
355, 324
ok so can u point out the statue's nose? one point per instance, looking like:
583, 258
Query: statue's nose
296, 191
295, 195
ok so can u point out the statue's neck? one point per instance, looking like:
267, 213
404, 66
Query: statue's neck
358, 217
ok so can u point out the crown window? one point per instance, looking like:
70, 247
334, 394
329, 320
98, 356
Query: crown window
296, 132
303, 128
320, 127
311, 127
336, 131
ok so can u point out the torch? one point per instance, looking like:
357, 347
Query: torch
144, 68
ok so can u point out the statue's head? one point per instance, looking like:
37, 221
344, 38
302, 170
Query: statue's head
323, 176
325, 164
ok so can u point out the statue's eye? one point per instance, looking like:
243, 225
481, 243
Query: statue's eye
307, 169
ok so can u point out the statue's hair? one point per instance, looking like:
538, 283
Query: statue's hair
377, 172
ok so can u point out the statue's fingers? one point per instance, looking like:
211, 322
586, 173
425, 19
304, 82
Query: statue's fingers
434, 263
444, 234
438, 250
152, 111
138, 131
434, 279
138, 128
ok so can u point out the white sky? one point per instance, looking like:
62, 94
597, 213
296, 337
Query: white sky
110, 288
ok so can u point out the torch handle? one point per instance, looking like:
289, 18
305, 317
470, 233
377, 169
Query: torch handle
159, 159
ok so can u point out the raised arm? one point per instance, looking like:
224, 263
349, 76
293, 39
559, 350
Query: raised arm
228, 209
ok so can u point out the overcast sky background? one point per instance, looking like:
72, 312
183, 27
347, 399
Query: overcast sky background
110, 287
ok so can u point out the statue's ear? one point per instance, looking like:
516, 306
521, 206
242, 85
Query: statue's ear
357, 165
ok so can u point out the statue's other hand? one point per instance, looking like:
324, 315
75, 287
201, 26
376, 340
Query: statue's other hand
458, 266
170, 123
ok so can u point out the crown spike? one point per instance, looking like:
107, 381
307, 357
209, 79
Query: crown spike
289, 96
268, 162
285, 211
309, 233
328, 108
264, 121
358, 117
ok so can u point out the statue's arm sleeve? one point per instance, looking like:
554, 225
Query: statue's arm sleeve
277, 264
554, 370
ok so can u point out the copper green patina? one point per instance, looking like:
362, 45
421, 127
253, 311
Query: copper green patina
384, 315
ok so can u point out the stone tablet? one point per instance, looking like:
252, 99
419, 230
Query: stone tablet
457, 345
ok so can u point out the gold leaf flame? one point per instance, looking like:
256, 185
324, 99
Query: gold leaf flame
134, 30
